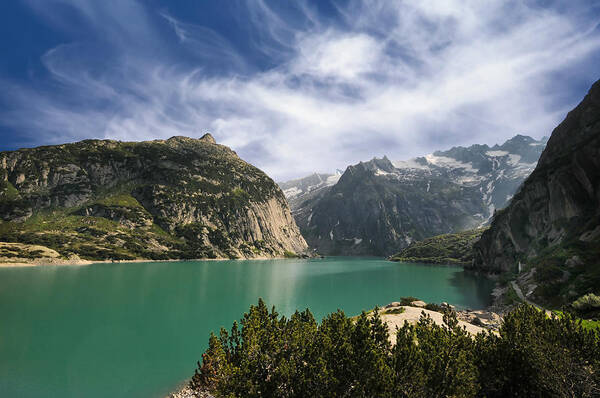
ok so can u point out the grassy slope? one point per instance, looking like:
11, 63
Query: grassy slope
453, 249
95, 238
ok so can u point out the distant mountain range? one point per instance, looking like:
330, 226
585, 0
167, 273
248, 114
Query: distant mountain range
381, 206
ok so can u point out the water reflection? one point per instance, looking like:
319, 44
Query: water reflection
474, 284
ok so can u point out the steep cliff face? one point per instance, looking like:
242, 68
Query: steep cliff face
553, 223
173, 198
379, 207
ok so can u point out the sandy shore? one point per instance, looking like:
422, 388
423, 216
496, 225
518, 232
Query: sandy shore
413, 314
41, 262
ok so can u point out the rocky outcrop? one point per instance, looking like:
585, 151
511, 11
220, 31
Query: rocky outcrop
555, 216
180, 197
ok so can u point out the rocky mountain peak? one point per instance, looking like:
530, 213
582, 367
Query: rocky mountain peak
579, 127
208, 138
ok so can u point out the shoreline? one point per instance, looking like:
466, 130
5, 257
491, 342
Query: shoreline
45, 262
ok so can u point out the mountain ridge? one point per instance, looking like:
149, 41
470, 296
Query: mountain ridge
378, 207
176, 198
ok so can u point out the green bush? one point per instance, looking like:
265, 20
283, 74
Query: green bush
434, 307
394, 311
267, 355
407, 300
588, 302
289, 254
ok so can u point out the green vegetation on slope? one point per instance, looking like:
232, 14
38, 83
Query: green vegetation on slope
124, 230
266, 355
8, 192
442, 249
179, 198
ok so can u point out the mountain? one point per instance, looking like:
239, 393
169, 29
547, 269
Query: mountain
175, 198
301, 193
379, 207
550, 232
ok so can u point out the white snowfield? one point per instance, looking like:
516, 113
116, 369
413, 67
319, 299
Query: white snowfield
450, 163
297, 191
291, 192
496, 153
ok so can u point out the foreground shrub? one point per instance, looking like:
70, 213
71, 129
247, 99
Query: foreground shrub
272, 356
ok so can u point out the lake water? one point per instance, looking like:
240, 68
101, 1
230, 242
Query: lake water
137, 330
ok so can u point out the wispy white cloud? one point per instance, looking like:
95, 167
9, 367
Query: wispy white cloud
398, 78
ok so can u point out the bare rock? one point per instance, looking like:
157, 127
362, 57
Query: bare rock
418, 303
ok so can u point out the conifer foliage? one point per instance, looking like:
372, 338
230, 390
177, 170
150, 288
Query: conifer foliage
268, 355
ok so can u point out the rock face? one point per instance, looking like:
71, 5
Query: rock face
553, 223
175, 198
379, 207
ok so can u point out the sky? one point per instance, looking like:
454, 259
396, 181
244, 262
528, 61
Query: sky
294, 87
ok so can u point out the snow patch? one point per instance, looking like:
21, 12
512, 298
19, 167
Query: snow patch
409, 164
380, 172
333, 179
443, 161
469, 180
496, 153
291, 192
513, 159
491, 209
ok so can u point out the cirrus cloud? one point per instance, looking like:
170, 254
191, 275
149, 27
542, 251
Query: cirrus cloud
398, 78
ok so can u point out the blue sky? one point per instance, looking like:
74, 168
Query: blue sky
294, 86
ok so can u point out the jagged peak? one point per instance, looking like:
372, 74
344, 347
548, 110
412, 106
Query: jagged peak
208, 138
520, 138
378, 163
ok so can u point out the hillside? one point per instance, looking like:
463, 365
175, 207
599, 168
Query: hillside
162, 199
548, 238
455, 249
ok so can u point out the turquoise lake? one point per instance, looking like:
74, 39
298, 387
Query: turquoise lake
137, 330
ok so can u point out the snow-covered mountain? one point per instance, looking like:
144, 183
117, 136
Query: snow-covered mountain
300, 193
379, 207
497, 171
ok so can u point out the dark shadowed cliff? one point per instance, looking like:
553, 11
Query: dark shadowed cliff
552, 225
